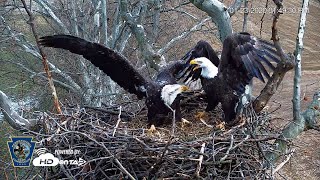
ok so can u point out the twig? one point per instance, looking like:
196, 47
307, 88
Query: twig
124, 114
173, 123
275, 37
283, 163
200, 160
262, 18
173, 119
208, 125
246, 138
228, 151
118, 121
156, 165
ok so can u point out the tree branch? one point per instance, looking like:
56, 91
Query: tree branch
21, 41
12, 117
286, 64
41, 75
44, 59
182, 35
234, 7
137, 29
46, 6
219, 14
298, 124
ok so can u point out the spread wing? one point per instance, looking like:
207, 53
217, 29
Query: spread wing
110, 62
202, 49
172, 72
244, 56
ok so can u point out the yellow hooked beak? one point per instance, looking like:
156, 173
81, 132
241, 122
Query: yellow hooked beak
196, 63
184, 88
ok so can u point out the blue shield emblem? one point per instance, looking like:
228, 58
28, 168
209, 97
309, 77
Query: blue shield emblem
21, 150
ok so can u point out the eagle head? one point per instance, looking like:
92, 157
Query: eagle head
208, 69
171, 91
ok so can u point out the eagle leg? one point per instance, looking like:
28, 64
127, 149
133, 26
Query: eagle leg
178, 116
228, 108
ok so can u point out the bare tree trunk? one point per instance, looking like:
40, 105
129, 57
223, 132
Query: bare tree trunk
108, 82
104, 19
74, 20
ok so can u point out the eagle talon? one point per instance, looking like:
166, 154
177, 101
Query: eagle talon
200, 115
152, 129
185, 122
221, 126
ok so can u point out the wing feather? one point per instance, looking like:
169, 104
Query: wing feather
110, 62
250, 52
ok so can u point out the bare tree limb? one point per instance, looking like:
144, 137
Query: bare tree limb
298, 124
74, 19
286, 64
235, 7
219, 14
245, 16
34, 74
137, 29
21, 41
46, 6
12, 117
181, 36
44, 59
104, 22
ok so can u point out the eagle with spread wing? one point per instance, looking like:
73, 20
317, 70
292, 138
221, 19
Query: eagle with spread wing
162, 94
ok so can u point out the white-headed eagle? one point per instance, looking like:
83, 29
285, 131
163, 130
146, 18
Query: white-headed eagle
162, 95
241, 60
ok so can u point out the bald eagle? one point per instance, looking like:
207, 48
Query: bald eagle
242, 59
162, 95
202, 49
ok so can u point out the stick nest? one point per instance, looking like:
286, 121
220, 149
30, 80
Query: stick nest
115, 144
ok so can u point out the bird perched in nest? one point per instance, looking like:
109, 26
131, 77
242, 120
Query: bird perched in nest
241, 60
162, 95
